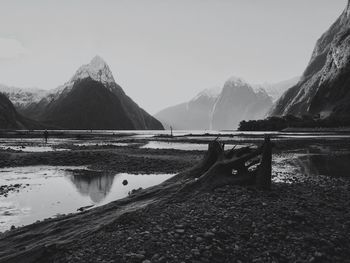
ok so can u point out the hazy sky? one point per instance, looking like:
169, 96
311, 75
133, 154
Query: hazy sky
161, 52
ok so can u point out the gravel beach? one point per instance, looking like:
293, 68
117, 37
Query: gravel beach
302, 219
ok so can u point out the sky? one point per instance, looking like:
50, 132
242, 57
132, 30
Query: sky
162, 52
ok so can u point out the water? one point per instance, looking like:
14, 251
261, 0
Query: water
60, 190
102, 143
32, 144
175, 145
182, 146
312, 162
317, 160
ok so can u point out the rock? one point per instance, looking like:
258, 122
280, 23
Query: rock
135, 256
208, 235
195, 252
180, 231
199, 240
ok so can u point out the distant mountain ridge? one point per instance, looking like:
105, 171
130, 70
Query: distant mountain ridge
238, 101
91, 99
194, 114
212, 109
11, 119
323, 90
276, 90
22, 97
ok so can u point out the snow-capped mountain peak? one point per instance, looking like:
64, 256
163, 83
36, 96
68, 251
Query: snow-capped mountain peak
97, 69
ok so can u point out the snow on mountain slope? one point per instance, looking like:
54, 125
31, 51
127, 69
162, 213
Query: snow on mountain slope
97, 70
215, 109
207, 93
92, 99
275, 90
22, 97
239, 101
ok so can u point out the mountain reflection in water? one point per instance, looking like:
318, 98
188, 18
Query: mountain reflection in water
53, 190
94, 184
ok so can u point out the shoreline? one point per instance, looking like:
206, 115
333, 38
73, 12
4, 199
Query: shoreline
159, 225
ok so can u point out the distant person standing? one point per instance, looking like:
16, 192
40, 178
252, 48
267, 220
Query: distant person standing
46, 135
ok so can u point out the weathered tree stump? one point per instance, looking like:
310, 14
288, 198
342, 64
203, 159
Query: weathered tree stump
245, 166
263, 178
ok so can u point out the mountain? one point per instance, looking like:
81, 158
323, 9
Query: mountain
23, 97
11, 119
275, 90
91, 99
323, 89
239, 101
210, 109
192, 115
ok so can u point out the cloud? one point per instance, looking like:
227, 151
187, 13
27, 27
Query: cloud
11, 48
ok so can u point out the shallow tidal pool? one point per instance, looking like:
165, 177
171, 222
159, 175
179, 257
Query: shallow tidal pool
49, 191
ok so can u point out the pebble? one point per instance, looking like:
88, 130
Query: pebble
180, 231
208, 234
199, 240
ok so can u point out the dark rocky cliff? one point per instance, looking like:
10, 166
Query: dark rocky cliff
324, 88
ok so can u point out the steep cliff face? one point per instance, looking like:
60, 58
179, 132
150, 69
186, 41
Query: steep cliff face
324, 87
91, 99
238, 101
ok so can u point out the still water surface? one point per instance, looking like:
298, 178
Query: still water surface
54, 190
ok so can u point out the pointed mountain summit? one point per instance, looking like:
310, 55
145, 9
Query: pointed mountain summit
97, 70
323, 90
191, 115
219, 110
238, 101
92, 99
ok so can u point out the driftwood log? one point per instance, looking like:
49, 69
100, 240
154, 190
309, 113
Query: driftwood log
245, 166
